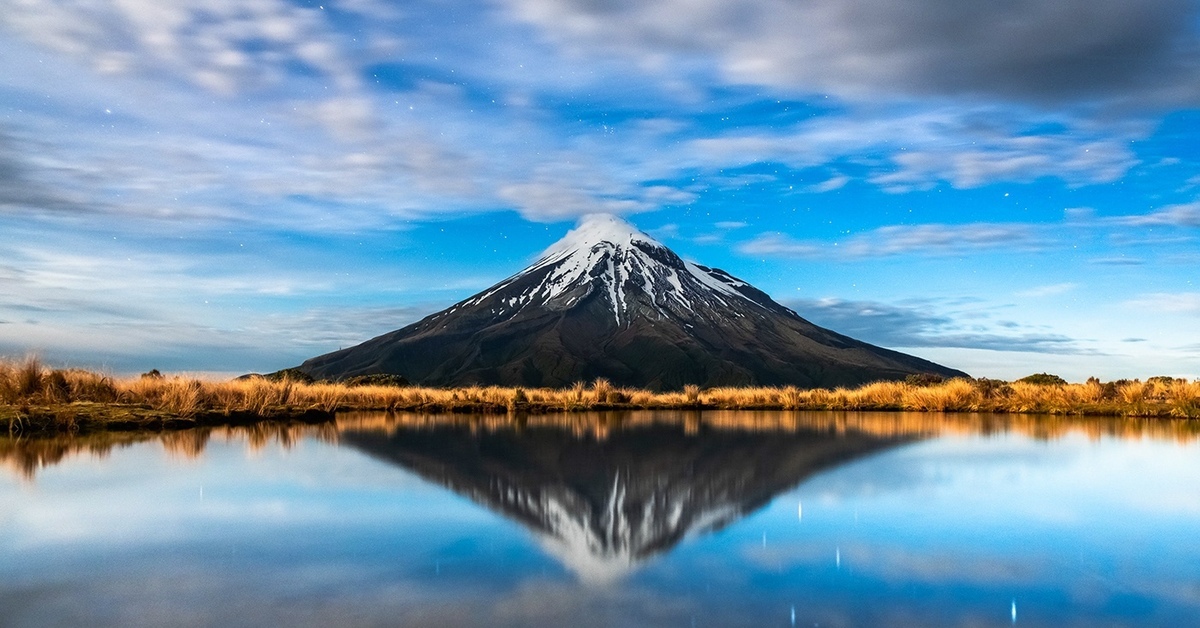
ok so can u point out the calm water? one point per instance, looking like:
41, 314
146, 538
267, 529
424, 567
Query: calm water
756, 519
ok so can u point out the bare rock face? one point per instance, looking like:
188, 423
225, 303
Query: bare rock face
610, 301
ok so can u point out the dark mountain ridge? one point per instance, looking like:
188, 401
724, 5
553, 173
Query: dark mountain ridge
609, 301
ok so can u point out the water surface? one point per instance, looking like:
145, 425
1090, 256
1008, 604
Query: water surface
670, 518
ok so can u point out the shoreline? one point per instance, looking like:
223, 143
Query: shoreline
37, 399
89, 417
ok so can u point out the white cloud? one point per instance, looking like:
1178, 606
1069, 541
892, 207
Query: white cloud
1048, 290
551, 201
1020, 159
927, 239
933, 323
118, 303
835, 182
224, 46
1184, 215
576, 185
923, 149
780, 245
1168, 302
861, 49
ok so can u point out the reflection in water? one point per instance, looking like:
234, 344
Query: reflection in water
605, 491
604, 504
26, 455
350, 523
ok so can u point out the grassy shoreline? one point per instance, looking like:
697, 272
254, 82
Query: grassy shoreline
35, 398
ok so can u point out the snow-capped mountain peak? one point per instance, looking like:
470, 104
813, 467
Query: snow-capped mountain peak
598, 230
633, 272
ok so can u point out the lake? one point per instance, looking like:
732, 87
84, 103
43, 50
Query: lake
609, 519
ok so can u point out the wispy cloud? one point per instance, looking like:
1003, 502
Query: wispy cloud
835, 182
208, 43
1010, 159
937, 145
929, 239
892, 325
564, 192
1048, 290
1170, 302
1119, 260
869, 47
780, 245
1184, 215
112, 303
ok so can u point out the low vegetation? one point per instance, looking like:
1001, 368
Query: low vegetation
34, 397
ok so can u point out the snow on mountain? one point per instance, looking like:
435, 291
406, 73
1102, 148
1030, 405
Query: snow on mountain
633, 520
611, 256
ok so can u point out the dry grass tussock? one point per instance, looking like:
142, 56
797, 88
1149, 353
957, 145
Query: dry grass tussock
29, 382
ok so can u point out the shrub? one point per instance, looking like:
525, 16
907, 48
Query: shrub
182, 397
1111, 391
922, 380
601, 388
1043, 379
292, 374
375, 379
992, 388
27, 379
1132, 392
790, 398
518, 400
616, 396
89, 386
56, 388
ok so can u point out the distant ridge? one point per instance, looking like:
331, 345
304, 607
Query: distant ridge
610, 301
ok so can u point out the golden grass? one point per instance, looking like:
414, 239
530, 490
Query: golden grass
28, 382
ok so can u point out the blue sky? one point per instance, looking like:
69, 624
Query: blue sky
236, 186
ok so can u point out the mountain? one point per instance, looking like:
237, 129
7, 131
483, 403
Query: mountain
602, 506
610, 301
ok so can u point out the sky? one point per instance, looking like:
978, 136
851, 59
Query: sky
232, 186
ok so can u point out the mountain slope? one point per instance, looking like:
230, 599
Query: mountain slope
609, 301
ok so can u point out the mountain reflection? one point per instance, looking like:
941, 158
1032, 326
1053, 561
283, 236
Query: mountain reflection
604, 492
604, 503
